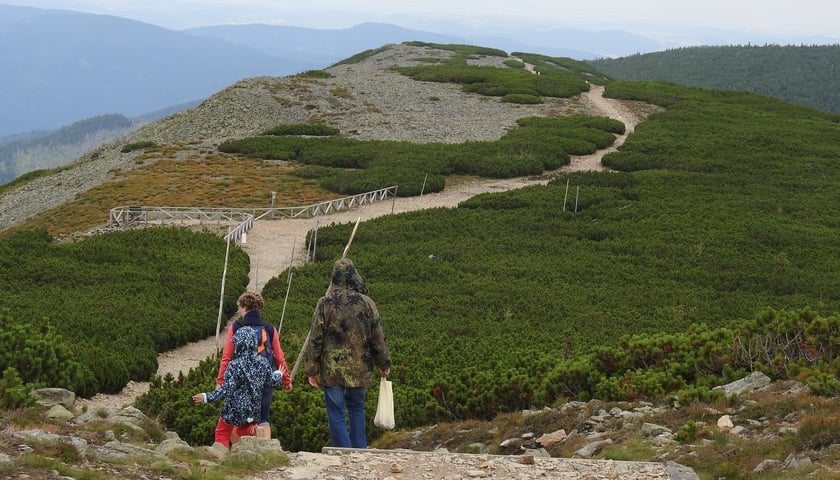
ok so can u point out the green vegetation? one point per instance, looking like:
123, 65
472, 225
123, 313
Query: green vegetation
354, 166
92, 315
314, 74
361, 56
661, 282
141, 145
806, 74
27, 177
498, 82
313, 129
462, 52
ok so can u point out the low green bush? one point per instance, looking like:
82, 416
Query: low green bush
314, 74
93, 314
354, 166
142, 145
312, 129
521, 98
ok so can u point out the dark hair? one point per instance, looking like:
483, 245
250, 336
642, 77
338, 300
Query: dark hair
251, 301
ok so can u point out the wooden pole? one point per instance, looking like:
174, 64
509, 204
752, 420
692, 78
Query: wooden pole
283, 313
566, 195
222, 294
288, 286
306, 342
352, 234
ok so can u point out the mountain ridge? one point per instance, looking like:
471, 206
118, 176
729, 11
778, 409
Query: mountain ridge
365, 100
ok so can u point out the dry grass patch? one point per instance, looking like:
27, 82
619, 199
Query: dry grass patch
210, 181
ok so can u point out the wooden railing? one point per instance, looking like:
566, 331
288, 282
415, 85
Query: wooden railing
243, 217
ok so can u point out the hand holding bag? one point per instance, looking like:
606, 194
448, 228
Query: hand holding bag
385, 408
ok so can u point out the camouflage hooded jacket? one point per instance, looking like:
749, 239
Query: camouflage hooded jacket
346, 340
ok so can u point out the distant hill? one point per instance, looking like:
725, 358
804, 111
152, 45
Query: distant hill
805, 75
38, 150
59, 147
319, 47
327, 47
61, 66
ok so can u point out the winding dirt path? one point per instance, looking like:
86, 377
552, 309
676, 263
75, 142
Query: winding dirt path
271, 244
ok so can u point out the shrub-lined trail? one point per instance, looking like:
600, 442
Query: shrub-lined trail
270, 244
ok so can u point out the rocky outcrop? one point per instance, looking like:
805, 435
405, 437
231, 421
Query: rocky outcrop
122, 443
125, 443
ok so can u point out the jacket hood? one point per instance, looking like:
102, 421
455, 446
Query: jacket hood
245, 341
345, 277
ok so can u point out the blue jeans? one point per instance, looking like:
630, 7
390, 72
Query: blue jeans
340, 399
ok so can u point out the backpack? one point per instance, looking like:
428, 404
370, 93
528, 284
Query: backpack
263, 340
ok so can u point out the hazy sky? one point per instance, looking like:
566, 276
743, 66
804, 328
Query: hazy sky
803, 17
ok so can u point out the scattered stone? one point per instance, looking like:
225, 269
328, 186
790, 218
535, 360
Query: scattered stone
792, 461
217, 450
58, 412
725, 424
591, 449
49, 397
476, 447
751, 382
653, 430
552, 438
766, 465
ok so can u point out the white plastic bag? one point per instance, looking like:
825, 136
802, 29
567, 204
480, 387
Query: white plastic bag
385, 408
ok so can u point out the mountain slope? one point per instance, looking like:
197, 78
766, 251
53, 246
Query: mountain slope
69, 66
365, 100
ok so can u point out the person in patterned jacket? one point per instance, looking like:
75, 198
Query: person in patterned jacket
245, 378
347, 341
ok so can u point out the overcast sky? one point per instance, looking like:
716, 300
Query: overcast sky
784, 17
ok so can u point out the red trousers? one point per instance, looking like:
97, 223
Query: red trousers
224, 431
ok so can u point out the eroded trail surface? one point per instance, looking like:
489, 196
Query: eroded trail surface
272, 243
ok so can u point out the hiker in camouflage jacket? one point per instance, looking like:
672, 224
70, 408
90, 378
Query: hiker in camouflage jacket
346, 343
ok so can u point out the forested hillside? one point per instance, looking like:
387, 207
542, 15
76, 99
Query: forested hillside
60, 147
806, 75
